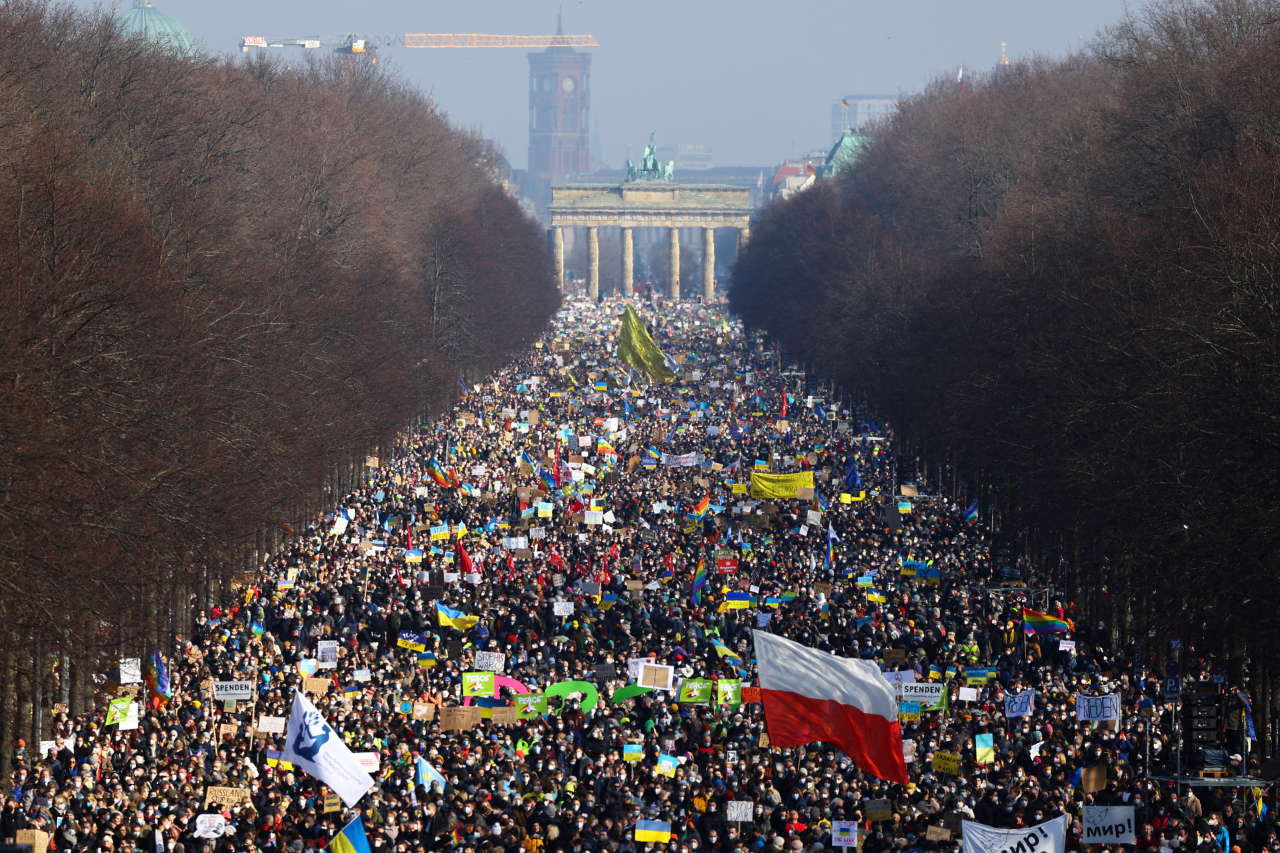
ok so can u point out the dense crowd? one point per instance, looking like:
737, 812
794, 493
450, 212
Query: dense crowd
561, 481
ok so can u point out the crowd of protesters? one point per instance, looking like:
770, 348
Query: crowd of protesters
569, 427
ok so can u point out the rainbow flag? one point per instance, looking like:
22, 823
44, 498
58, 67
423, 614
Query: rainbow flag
971, 514
603, 447
1035, 622
699, 581
436, 471
156, 676
700, 508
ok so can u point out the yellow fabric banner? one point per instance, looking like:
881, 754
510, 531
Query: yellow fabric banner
637, 348
779, 486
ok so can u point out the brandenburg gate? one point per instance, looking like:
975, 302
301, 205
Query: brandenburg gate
649, 198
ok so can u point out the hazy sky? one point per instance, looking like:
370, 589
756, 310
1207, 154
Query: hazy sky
752, 79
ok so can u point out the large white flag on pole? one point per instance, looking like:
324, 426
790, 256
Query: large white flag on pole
312, 745
1047, 837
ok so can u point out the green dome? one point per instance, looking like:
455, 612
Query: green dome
146, 21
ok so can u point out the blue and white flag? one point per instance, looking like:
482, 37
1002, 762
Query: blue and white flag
313, 746
429, 776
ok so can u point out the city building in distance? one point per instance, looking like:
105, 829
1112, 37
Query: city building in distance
859, 112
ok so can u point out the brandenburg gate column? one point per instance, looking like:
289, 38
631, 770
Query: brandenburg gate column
708, 265
593, 259
557, 246
628, 261
675, 262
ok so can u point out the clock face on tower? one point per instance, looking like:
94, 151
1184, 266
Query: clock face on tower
567, 84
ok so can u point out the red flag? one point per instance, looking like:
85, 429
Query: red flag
784, 404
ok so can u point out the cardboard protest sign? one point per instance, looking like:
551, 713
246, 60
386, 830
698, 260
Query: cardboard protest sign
657, 676
423, 711
946, 762
503, 716
130, 670
38, 839
844, 833
490, 661
457, 719
270, 725
225, 795
1094, 778
878, 810
1108, 825
937, 833
317, 686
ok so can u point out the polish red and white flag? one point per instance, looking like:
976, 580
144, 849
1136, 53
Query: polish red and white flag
811, 695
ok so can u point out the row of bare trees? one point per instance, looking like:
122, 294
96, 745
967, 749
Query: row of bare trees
222, 284
1065, 277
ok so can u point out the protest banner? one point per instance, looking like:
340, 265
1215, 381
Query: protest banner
1108, 825
1105, 708
1047, 837
1019, 704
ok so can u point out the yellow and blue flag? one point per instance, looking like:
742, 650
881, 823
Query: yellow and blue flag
450, 618
351, 839
653, 831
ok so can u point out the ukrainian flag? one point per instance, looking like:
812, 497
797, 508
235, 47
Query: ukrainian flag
632, 751
652, 830
450, 618
725, 652
351, 838
735, 601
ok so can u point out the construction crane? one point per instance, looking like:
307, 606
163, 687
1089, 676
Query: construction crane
368, 44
